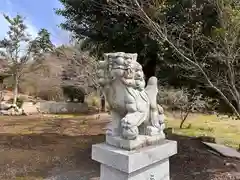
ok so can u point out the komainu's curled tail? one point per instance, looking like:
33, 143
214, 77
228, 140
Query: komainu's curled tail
156, 111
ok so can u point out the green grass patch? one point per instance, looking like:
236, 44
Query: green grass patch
29, 178
225, 131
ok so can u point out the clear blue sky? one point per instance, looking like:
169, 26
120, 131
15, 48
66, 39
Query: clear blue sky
38, 14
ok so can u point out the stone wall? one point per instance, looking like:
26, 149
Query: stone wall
52, 107
30, 108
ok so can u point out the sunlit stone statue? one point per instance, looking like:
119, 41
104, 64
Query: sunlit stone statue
135, 147
135, 112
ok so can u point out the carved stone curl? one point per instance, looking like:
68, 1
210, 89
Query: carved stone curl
133, 107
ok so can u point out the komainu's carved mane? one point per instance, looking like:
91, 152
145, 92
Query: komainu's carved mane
129, 70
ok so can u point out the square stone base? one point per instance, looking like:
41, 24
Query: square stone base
147, 163
159, 171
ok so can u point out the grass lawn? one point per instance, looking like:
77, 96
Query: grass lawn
225, 130
37, 147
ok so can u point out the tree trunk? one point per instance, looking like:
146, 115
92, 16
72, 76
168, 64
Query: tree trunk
184, 119
186, 115
103, 102
15, 90
235, 111
238, 106
1, 88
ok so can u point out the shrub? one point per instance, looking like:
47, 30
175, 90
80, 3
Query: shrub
73, 92
177, 99
20, 101
172, 98
45, 88
51, 94
93, 100
183, 100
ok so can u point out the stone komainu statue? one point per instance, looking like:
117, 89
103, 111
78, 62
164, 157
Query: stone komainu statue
133, 107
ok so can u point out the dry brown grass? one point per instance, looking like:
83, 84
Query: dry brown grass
36, 147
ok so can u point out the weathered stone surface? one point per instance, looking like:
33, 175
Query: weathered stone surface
159, 171
135, 148
50, 107
208, 139
133, 107
151, 162
10, 109
5, 106
30, 108
224, 150
131, 161
61, 107
140, 142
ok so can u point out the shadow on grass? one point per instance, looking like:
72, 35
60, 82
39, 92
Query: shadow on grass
43, 155
195, 161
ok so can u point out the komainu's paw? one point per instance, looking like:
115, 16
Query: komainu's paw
112, 129
153, 131
125, 123
109, 132
130, 133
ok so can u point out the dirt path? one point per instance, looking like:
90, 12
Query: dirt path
34, 148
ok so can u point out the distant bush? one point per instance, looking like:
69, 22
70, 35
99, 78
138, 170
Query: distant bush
20, 101
176, 99
172, 98
184, 101
41, 86
93, 100
73, 92
53, 93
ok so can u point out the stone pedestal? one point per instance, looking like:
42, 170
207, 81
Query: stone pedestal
147, 163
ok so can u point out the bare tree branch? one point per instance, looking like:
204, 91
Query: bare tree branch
221, 45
